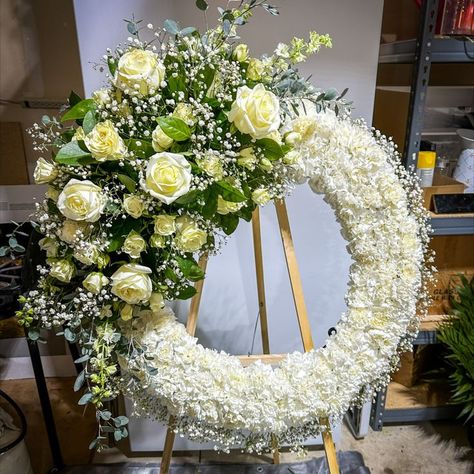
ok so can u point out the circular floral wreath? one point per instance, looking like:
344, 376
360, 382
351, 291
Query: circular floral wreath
189, 137
214, 398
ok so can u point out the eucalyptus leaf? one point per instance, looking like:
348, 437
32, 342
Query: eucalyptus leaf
171, 27
82, 359
72, 154
85, 399
79, 382
187, 31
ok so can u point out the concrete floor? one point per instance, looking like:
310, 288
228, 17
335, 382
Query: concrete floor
435, 448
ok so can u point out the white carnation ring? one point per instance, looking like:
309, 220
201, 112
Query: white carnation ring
214, 398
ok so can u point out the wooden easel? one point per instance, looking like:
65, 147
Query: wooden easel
266, 357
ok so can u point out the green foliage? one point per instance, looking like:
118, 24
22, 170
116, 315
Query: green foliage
175, 128
457, 334
74, 153
79, 110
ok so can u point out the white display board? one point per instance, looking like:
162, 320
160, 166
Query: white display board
229, 305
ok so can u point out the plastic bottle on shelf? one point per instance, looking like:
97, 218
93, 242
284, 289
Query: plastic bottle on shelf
425, 167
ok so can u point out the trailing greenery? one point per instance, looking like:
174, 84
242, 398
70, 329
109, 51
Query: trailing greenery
458, 336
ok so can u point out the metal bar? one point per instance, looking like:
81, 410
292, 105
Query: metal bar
48, 416
406, 415
420, 80
377, 412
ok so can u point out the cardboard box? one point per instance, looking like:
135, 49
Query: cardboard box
441, 185
413, 365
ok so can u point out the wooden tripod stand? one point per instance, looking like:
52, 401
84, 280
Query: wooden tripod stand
266, 357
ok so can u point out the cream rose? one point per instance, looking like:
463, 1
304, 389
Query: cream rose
247, 158
61, 269
255, 111
134, 244
139, 72
126, 313
72, 230
101, 96
45, 172
168, 176
241, 52
226, 207
157, 241
160, 141
94, 282
165, 224
189, 237
50, 246
81, 201
212, 165
105, 143
261, 196
132, 284
86, 255
133, 205
79, 134
156, 302
256, 69
185, 112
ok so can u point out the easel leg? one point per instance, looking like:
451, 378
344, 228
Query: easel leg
191, 328
302, 314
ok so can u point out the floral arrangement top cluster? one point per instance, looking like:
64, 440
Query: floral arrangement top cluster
189, 136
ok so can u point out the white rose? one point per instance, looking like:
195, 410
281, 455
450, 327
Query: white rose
45, 172
139, 72
247, 158
79, 134
86, 255
160, 141
156, 302
126, 313
189, 237
133, 205
157, 241
241, 52
291, 157
212, 165
72, 230
168, 176
94, 282
134, 244
226, 207
261, 196
105, 143
101, 96
165, 224
256, 111
185, 112
256, 69
265, 164
292, 138
49, 245
61, 269
81, 201
132, 284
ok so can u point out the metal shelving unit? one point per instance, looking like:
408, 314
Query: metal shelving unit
422, 52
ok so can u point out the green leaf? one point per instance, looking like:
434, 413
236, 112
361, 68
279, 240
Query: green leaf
140, 148
229, 223
211, 196
189, 197
85, 399
74, 99
186, 292
175, 128
202, 5
171, 27
330, 94
271, 149
112, 65
79, 382
120, 229
82, 359
89, 122
191, 270
79, 110
128, 182
72, 154
229, 193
